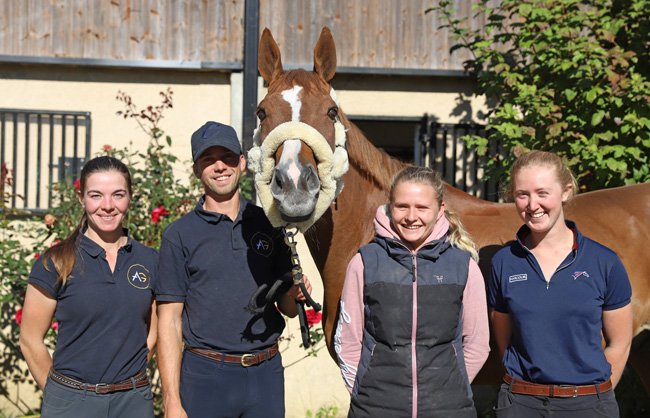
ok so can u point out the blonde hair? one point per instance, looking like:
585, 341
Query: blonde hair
547, 159
458, 235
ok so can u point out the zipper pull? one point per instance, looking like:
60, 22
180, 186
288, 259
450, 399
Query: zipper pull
415, 271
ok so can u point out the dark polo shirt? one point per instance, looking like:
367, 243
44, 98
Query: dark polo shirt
102, 315
556, 326
214, 265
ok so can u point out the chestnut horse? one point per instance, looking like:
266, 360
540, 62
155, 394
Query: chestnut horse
306, 148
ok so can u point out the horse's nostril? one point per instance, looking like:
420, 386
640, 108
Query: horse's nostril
310, 179
278, 181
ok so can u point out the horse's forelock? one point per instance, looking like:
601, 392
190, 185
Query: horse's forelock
311, 82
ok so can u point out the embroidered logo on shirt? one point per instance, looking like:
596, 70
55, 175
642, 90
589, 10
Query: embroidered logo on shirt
439, 278
262, 244
577, 274
517, 278
138, 276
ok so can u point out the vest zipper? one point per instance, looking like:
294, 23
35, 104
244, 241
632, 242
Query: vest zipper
414, 321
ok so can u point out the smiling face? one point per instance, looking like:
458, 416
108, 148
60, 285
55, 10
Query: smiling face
105, 198
414, 210
538, 196
219, 170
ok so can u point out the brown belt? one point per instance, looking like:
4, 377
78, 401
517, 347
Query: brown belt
558, 391
245, 360
139, 380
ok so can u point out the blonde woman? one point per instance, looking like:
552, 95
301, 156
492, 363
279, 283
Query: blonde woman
413, 329
552, 293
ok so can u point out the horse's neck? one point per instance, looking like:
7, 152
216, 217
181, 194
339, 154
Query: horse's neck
461, 202
372, 163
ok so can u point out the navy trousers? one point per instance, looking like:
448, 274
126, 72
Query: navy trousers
511, 405
62, 402
212, 389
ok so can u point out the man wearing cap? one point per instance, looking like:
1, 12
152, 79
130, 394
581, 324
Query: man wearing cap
216, 358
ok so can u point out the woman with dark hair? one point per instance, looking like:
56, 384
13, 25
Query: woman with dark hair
97, 283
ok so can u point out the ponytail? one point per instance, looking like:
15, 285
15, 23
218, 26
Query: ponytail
458, 235
64, 254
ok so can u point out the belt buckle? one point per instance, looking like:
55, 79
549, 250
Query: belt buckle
101, 388
574, 387
244, 360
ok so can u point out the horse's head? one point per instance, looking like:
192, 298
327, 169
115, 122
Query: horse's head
299, 154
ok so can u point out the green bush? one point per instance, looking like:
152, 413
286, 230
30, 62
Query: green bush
569, 76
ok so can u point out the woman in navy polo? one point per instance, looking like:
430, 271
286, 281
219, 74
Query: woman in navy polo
97, 283
552, 292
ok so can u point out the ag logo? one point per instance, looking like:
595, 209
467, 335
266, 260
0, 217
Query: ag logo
262, 244
138, 276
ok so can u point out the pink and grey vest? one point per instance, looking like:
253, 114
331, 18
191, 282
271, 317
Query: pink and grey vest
412, 359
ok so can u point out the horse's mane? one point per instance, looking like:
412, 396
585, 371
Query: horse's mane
368, 159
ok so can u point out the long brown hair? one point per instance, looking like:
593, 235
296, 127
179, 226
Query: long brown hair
458, 236
64, 254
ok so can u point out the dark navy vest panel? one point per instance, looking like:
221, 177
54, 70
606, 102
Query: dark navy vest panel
384, 385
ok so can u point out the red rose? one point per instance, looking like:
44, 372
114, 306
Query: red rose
313, 317
37, 256
157, 213
107, 148
19, 316
55, 326
77, 184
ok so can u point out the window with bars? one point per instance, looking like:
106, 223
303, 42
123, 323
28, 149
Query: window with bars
39, 148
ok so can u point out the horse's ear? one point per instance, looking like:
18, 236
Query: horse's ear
325, 55
268, 57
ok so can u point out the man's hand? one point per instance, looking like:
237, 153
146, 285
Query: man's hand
295, 292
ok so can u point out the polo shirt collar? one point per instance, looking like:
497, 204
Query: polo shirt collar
94, 250
216, 217
524, 231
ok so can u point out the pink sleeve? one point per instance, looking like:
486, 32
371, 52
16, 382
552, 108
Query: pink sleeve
476, 332
349, 331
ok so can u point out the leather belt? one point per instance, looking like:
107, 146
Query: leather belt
139, 380
245, 360
523, 387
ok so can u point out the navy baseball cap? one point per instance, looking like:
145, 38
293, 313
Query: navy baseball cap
214, 134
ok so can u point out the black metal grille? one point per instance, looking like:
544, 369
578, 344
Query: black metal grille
439, 146
39, 148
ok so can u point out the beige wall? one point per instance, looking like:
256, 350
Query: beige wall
197, 97
449, 99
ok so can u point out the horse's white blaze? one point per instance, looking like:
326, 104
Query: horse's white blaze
292, 96
333, 96
289, 159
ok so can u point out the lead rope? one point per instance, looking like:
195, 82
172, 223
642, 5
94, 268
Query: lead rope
296, 275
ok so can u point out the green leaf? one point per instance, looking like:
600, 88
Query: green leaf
570, 94
597, 117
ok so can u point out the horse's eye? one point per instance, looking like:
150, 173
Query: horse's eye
261, 114
333, 112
